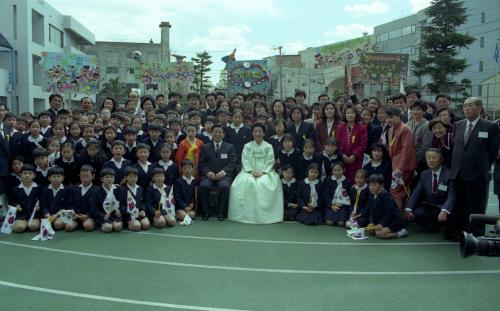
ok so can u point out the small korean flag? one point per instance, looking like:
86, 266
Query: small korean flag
131, 207
67, 216
169, 205
46, 231
110, 203
10, 218
187, 221
341, 197
397, 180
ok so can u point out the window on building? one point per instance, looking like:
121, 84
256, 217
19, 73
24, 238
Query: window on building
480, 66
413, 50
378, 38
395, 34
481, 42
131, 70
413, 28
483, 17
406, 31
412, 71
56, 36
112, 70
480, 90
37, 69
37, 28
384, 36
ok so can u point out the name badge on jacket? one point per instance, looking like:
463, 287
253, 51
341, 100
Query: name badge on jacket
223, 156
483, 135
443, 187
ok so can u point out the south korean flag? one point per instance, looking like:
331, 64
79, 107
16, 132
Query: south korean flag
132, 206
110, 203
10, 219
46, 231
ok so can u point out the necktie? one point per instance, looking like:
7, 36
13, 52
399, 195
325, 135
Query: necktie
468, 131
216, 147
434, 184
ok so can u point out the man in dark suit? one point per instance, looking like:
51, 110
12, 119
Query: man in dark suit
433, 199
56, 102
475, 150
4, 156
217, 165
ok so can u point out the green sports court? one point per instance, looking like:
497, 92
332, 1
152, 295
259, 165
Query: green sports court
230, 266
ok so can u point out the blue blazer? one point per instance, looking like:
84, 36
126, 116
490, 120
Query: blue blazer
445, 197
184, 193
27, 202
81, 204
152, 199
50, 204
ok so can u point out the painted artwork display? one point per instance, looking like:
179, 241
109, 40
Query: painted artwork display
343, 53
250, 76
378, 68
69, 73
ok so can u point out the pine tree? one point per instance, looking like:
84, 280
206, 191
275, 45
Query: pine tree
441, 43
202, 64
114, 88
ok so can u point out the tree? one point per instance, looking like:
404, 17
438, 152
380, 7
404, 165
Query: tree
441, 43
202, 64
115, 89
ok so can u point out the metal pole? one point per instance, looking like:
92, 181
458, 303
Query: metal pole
495, 91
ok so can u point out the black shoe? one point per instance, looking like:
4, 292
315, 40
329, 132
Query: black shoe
205, 217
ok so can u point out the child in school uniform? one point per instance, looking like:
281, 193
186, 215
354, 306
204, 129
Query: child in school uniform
289, 184
238, 134
54, 147
169, 167
109, 137
106, 193
309, 197
41, 156
130, 136
14, 179
336, 196
117, 163
379, 164
154, 192
154, 141
74, 133
81, 200
175, 125
189, 149
170, 141
279, 127
330, 155
93, 156
131, 198
25, 198
288, 154
30, 141
144, 167
54, 197
88, 134
360, 211
45, 119
307, 157
386, 219
68, 163
184, 192
206, 133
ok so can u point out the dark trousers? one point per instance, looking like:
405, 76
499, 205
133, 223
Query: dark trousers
426, 215
222, 187
472, 197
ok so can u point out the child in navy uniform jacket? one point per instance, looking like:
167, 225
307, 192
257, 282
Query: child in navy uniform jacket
386, 219
309, 198
41, 156
307, 157
360, 211
336, 196
112, 221
130, 136
288, 154
69, 164
54, 197
131, 196
168, 165
81, 200
143, 166
25, 198
330, 155
184, 192
31, 141
153, 200
238, 134
117, 163
93, 156
289, 184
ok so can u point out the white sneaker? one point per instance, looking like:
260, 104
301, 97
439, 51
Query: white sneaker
402, 233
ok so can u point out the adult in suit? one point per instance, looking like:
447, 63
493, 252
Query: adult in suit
433, 199
474, 151
299, 129
216, 167
56, 102
4, 158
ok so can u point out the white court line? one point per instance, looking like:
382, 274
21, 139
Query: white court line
245, 269
113, 299
293, 242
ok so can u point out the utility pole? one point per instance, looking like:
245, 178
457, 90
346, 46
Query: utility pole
279, 48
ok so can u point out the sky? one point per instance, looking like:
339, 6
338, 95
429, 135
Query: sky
254, 27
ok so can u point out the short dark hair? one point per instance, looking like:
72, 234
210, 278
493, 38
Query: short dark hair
55, 95
313, 166
129, 130
157, 171
40, 152
142, 146
131, 170
300, 92
55, 170
392, 111
187, 163
28, 167
193, 95
87, 168
398, 96
413, 91
442, 95
107, 172
376, 179
154, 127
118, 143
260, 125
418, 103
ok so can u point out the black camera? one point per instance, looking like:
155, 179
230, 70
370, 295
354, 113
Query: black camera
470, 245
